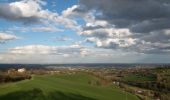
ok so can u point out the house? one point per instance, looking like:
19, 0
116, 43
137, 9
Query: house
21, 70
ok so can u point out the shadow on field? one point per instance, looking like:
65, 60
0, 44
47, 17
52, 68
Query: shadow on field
37, 94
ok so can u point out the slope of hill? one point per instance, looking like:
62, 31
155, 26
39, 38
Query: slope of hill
62, 87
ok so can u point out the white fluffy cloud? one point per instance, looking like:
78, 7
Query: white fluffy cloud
31, 11
4, 37
27, 11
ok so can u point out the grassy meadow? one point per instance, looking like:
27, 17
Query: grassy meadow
139, 78
62, 87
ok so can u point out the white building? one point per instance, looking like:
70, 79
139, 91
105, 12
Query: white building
21, 70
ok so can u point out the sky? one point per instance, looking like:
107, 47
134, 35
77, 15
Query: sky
84, 31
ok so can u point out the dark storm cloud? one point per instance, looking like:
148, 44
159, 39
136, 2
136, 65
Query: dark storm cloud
151, 25
126, 13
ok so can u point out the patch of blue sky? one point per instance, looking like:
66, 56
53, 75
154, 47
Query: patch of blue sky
60, 5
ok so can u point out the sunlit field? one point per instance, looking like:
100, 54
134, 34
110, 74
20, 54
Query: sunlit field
63, 87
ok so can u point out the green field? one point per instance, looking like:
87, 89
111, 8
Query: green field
139, 78
62, 87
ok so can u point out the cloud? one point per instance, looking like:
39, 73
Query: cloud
126, 13
68, 54
46, 29
32, 49
46, 50
33, 12
4, 37
62, 38
127, 25
71, 50
36, 53
27, 11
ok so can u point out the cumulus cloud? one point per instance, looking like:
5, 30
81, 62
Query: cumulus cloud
32, 11
27, 11
4, 37
128, 25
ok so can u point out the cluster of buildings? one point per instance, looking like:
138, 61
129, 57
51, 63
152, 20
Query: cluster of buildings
20, 70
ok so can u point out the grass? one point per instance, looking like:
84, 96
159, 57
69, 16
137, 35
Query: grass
139, 77
62, 87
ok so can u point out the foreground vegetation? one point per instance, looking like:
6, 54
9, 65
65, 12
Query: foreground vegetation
150, 82
79, 86
13, 75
